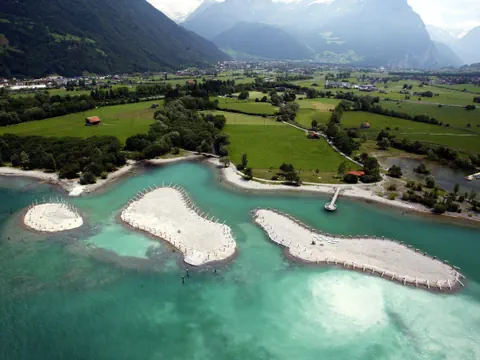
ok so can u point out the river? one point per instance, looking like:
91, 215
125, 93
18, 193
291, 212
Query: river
94, 294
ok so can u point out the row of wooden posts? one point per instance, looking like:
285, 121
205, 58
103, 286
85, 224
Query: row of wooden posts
447, 284
191, 206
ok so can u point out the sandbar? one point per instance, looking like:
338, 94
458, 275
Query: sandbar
167, 213
378, 256
52, 217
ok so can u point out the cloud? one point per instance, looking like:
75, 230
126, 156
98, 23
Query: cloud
455, 14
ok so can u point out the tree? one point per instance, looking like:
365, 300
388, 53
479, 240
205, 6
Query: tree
292, 177
341, 169
24, 160
314, 124
244, 160
384, 144
50, 163
440, 208
430, 182
248, 174
395, 171
422, 169
225, 161
472, 195
244, 95
87, 178
350, 179
456, 189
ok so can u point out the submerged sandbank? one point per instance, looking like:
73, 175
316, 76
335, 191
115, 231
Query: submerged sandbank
52, 217
382, 257
167, 213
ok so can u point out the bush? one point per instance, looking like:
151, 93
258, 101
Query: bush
87, 178
439, 208
350, 179
104, 175
395, 171
430, 182
392, 196
392, 187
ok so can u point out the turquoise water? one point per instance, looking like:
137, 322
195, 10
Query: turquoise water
95, 294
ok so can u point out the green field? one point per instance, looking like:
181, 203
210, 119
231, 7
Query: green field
455, 116
268, 147
320, 104
248, 107
121, 121
460, 139
475, 89
242, 119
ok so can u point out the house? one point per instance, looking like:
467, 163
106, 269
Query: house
92, 121
365, 125
357, 173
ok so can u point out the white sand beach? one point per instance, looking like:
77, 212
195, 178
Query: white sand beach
52, 217
168, 214
382, 257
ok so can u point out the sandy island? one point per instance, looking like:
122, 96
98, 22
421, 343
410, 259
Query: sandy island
378, 256
52, 217
167, 213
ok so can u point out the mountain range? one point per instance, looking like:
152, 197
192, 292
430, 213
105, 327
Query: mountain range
71, 37
465, 45
369, 32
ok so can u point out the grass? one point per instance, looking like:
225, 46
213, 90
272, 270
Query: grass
460, 139
248, 107
242, 119
324, 105
455, 116
121, 121
268, 147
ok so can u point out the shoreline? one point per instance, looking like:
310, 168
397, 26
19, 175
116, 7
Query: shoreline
201, 241
384, 258
363, 192
72, 186
52, 218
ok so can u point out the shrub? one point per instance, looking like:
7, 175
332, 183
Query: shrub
87, 178
104, 175
439, 208
392, 187
350, 179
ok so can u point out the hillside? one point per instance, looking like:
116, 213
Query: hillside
367, 32
263, 41
468, 46
70, 37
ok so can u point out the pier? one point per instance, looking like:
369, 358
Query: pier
331, 205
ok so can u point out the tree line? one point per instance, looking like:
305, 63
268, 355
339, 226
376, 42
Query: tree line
93, 157
180, 125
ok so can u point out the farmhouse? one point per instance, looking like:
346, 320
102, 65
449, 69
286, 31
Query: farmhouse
357, 173
365, 125
92, 121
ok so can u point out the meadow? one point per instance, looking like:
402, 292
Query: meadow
460, 139
267, 147
121, 121
453, 115
248, 107
242, 119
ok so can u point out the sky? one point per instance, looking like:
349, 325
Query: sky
450, 14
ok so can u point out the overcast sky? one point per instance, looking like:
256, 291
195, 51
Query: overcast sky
455, 14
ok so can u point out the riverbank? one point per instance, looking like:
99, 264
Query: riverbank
365, 192
73, 186
201, 240
377, 256
52, 217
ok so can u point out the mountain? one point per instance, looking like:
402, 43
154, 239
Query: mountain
262, 41
366, 32
441, 35
448, 56
468, 46
70, 37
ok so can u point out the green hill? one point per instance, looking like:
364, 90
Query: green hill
70, 37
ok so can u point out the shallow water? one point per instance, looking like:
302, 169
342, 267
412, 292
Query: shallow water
94, 294
445, 177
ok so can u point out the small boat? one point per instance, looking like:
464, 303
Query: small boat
473, 177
